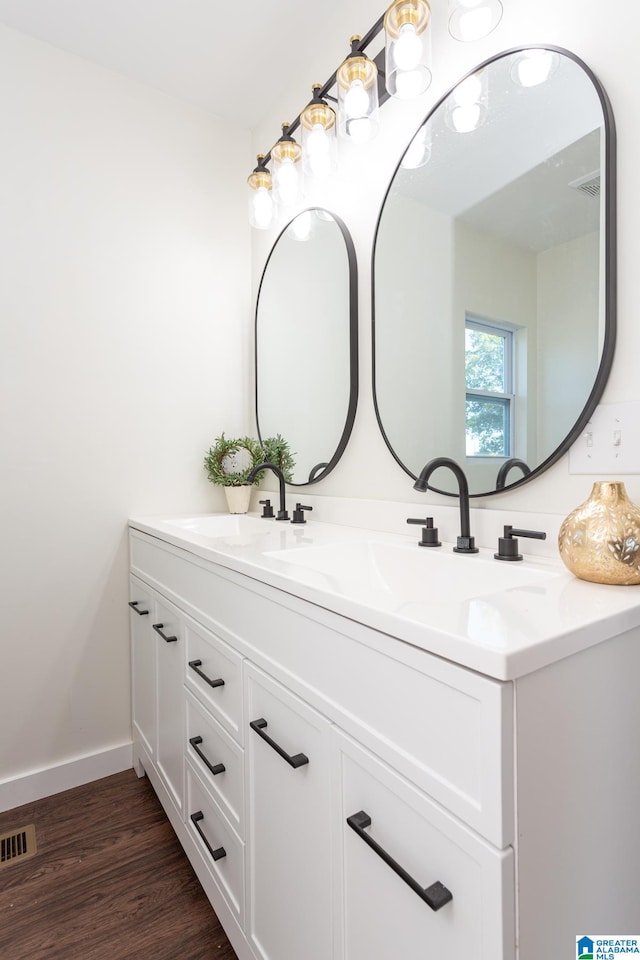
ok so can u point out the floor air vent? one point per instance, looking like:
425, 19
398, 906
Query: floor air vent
18, 845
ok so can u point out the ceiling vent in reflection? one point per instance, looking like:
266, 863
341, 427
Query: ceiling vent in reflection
589, 184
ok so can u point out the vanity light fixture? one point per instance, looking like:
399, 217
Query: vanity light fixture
358, 104
407, 53
360, 84
466, 107
302, 226
473, 19
261, 207
534, 67
287, 174
318, 122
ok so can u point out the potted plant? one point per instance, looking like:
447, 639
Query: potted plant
228, 464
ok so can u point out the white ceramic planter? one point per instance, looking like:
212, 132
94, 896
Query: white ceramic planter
238, 498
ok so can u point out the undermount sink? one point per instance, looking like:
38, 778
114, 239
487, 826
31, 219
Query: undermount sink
223, 525
412, 573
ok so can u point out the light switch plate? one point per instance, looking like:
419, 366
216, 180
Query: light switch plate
610, 443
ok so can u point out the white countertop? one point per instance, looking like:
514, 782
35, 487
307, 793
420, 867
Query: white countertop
502, 619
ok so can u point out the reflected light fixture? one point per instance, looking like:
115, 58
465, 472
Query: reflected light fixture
357, 80
261, 206
534, 67
473, 19
318, 122
466, 106
302, 227
407, 53
287, 175
418, 153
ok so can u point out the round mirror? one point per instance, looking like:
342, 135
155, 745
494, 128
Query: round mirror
306, 343
494, 273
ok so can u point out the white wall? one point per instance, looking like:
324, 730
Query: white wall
606, 39
124, 343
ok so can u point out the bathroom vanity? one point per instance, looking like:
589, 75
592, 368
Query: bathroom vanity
371, 751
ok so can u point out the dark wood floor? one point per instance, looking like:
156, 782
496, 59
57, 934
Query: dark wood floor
109, 882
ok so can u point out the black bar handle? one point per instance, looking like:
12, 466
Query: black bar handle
134, 606
195, 666
216, 854
158, 629
215, 768
434, 896
299, 760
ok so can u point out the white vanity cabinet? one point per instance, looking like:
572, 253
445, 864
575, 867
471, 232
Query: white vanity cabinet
345, 795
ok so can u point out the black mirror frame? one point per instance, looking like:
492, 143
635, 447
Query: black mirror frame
353, 345
610, 274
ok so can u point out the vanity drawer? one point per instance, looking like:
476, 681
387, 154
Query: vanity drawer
221, 848
470, 884
209, 748
214, 675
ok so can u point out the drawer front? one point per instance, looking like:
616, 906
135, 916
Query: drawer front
214, 675
221, 848
382, 915
218, 760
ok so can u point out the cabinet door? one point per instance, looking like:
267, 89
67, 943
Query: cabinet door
169, 631
413, 881
143, 666
289, 865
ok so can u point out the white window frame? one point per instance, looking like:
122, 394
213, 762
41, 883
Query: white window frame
507, 332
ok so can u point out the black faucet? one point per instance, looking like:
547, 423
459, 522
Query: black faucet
465, 542
282, 512
501, 479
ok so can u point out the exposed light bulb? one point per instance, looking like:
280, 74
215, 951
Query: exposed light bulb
468, 92
262, 203
356, 101
419, 150
534, 67
466, 118
317, 143
287, 181
407, 50
474, 19
320, 165
301, 227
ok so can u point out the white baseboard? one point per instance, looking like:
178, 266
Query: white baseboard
36, 784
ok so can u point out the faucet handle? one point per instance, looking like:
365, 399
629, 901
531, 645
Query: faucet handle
298, 513
267, 512
508, 544
429, 532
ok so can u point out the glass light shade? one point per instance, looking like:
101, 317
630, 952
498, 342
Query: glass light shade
318, 122
534, 67
418, 153
301, 228
358, 106
261, 205
466, 107
407, 48
473, 19
287, 170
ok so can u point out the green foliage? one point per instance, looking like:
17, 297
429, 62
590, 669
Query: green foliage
230, 461
486, 417
276, 450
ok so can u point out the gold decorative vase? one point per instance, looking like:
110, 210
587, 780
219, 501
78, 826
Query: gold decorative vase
600, 540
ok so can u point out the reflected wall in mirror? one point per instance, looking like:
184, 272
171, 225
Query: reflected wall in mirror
306, 343
494, 273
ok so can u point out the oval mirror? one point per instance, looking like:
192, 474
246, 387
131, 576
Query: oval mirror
306, 343
494, 273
